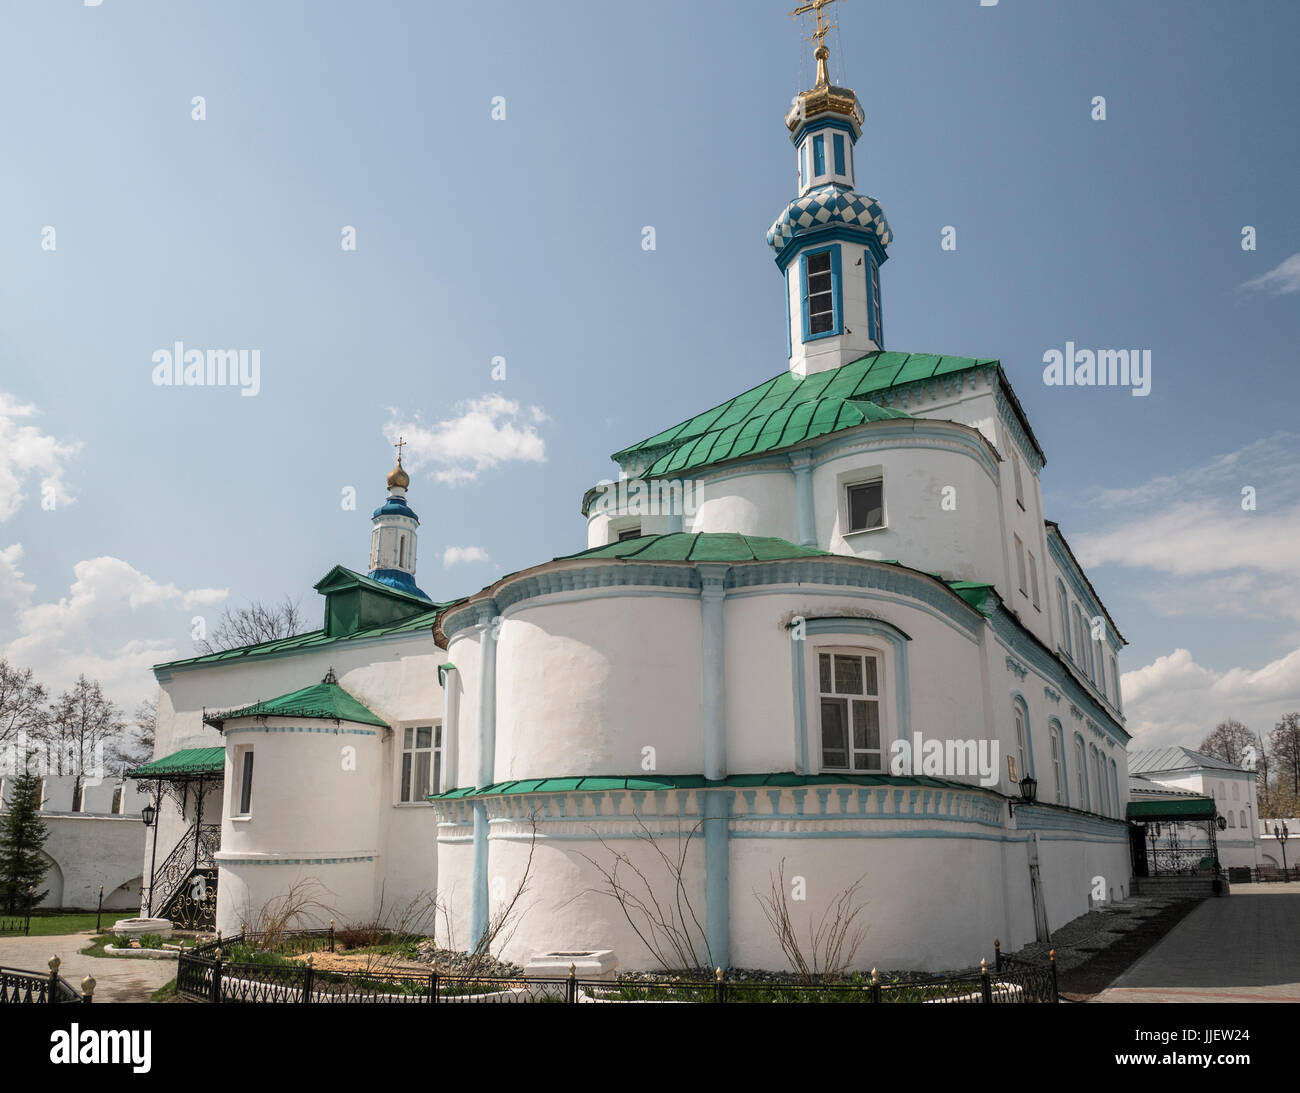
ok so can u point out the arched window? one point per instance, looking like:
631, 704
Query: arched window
1058, 759
1080, 773
1114, 787
1232, 818
1021, 716
1236, 792
1063, 605
1243, 819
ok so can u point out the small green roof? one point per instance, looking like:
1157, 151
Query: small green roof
325, 701
695, 781
1184, 808
789, 409
188, 761
703, 546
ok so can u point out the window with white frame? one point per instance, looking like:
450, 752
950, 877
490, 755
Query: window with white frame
1020, 567
1021, 733
1114, 678
244, 783
865, 503
1080, 773
819, 292
1236, 792
421, 762
1020, 484
1033, 580
1064, 606
849, 690
1243, 818
1054, 735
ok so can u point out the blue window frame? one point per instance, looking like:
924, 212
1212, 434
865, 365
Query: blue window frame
839, 154
819, 277
875, 328
819, 156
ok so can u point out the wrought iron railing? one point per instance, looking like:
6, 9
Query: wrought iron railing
203, 975
24, 987
173, 892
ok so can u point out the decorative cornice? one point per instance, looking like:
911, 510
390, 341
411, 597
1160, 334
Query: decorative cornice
1052, 695
1014, 665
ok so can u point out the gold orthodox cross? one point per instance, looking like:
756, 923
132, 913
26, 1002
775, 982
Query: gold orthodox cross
815, 6
399, 446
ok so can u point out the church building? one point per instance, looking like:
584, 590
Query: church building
821, 633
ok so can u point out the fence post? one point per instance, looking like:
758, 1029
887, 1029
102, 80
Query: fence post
875, 985
433, 986
1056, 989
99, 909
985, 986
571, 988
27, 926
88, 989
216, 972
306, 986
997, 954
331, 935
720, 987
52, 992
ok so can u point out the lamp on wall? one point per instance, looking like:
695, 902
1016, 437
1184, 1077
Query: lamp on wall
1028, 793
147, 814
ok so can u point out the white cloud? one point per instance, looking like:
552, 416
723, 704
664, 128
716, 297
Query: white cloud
62, 638
1175, 700
25, 452
1279, 281
486, 433
460, 555
13, 588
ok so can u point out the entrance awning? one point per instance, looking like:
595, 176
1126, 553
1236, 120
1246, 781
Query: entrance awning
1182, 808
188, 763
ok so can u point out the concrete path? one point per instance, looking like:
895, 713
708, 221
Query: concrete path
117, 978
1242, 948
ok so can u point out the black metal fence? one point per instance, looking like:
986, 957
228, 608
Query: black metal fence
204, 975
24, 987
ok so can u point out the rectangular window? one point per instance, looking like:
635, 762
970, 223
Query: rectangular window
839, 154
1114, 679
630, 533
819, 156
421, 762
1020, 483
1021, 765
118, 794
246, 783
1064, 606
819, 291
1020, 566
866, 505
850, 711
1033, 579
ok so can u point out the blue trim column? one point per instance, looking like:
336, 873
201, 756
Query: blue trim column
717, 873
801, 464
713, 663
487, 741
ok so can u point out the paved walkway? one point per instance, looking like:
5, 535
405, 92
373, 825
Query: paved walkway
117, 978
1242, 948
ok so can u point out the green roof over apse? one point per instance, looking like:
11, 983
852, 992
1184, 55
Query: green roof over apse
789, 409
703, 546
694, 781
325, 701
189, 761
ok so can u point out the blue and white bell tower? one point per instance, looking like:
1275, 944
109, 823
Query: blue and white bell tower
830, 241
392, 539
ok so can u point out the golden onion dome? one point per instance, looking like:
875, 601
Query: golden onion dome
398, 477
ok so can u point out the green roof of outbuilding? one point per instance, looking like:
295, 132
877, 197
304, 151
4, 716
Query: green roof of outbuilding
789, 409
188, 761
320, 701
1187, 808
695, 781
715, 546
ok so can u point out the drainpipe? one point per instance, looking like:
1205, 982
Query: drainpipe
487, 624
713, 727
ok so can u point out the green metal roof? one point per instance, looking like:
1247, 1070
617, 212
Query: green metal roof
695, 781
188, 761
323, 701
1186, 808
789, 409
715, 546
307, 642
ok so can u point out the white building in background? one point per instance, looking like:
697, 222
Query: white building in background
94, 839
848, 556
1230, 788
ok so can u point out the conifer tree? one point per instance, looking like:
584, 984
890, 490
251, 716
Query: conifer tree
22, 834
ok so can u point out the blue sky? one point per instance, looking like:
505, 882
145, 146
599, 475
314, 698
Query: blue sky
521, 238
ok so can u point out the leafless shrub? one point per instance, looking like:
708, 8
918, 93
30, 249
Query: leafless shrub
833, 940
298, 908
